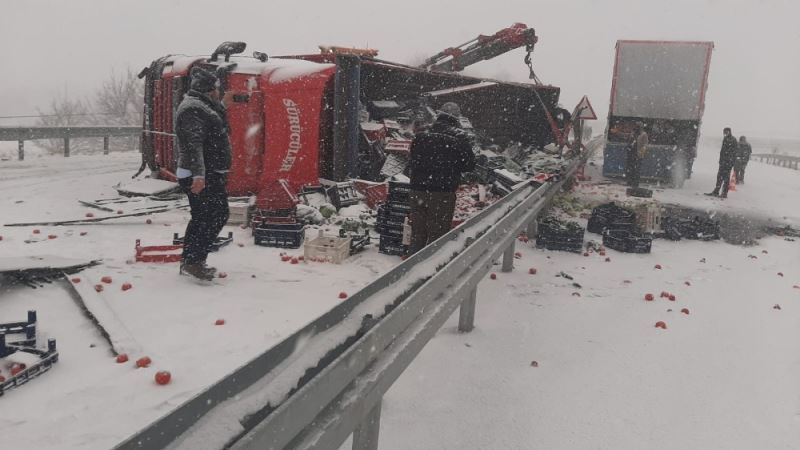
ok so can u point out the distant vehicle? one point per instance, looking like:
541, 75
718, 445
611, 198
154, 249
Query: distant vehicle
662, 86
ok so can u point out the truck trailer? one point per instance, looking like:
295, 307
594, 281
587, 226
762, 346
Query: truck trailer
661, 86
297, 119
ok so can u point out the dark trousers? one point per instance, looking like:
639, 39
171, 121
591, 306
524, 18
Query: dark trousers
739, 169
431, 217
723, 180
632, 169
209, 215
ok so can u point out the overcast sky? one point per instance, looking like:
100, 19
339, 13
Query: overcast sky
52, 47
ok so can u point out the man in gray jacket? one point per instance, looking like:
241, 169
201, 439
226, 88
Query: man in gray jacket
204, 160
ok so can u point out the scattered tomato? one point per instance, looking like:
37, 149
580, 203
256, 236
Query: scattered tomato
658, 266
493, 276
98, 287
89, 215
685, 311
219, 322
222, 275
532, 271
75, 280
143, 362
36, 231
661, 324
649, 297
106, 279
122, 358
126, 286
671, 297
776, 306
84, 233
342, 295
149, 221
294, 261
51, 236
163, 377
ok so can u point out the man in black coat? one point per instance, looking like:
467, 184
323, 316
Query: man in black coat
727, 159
438, 157
204, 160
743, 153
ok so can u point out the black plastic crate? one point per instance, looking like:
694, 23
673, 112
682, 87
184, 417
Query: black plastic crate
398, 207
627, 241
639, 192
611, 216
392, 246
703, 229
399, 188
573, 246
279, 235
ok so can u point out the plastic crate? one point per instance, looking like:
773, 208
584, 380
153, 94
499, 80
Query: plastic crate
392, 246
554, 234
627, 241
611, 216
327, 248
279, 235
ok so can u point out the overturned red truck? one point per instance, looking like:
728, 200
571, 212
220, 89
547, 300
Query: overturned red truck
297, 119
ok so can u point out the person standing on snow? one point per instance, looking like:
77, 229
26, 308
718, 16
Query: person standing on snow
743, 152
636, 152
204, 160
727, 159
438, 157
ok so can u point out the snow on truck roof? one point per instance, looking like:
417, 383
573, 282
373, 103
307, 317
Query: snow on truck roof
280, 69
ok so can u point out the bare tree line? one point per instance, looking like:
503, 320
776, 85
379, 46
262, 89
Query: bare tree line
118, 101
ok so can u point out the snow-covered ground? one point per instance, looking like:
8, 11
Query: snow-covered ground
89, 401
721, 377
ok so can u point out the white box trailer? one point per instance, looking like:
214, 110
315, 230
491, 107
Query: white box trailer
661, 85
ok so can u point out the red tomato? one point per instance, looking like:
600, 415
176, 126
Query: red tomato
585, 253
149, 221
658, 266
493, 276
661, 324
687, 283
98, 287
106, 279
17, 368
36, 231
126, 286
532, 271
780, 274
294, 261
89, 215
144, 361
122, 358
163, 377
220, 322
671, 297
119, 211
342, 295
84, 233
222, 275
608, 259
51, 236
685, 311
285, 258
76, 280
649, 297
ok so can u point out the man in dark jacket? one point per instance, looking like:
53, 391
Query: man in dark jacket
743, 153
204, 159
438, 157
727, 158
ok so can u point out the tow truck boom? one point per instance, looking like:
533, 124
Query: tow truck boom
483, 48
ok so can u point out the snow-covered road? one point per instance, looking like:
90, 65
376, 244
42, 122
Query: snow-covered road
722, 377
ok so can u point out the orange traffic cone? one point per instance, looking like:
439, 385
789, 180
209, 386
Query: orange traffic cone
732, 183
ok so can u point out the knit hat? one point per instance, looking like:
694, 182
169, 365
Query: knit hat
451, 108
203, 80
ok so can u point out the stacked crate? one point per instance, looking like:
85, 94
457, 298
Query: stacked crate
391, 218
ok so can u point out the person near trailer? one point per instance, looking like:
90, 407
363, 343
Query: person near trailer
727, 159
743, 152
636, 152
439, 156
204, 160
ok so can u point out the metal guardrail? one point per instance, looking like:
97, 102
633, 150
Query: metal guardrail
791, 162
276, 401
22, 134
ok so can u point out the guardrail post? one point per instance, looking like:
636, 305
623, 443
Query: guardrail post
466, 313
105, 145
508, 257
533, 228
21, 150
365, 437
66, 147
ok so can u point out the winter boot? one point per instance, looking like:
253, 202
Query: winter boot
197, 271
